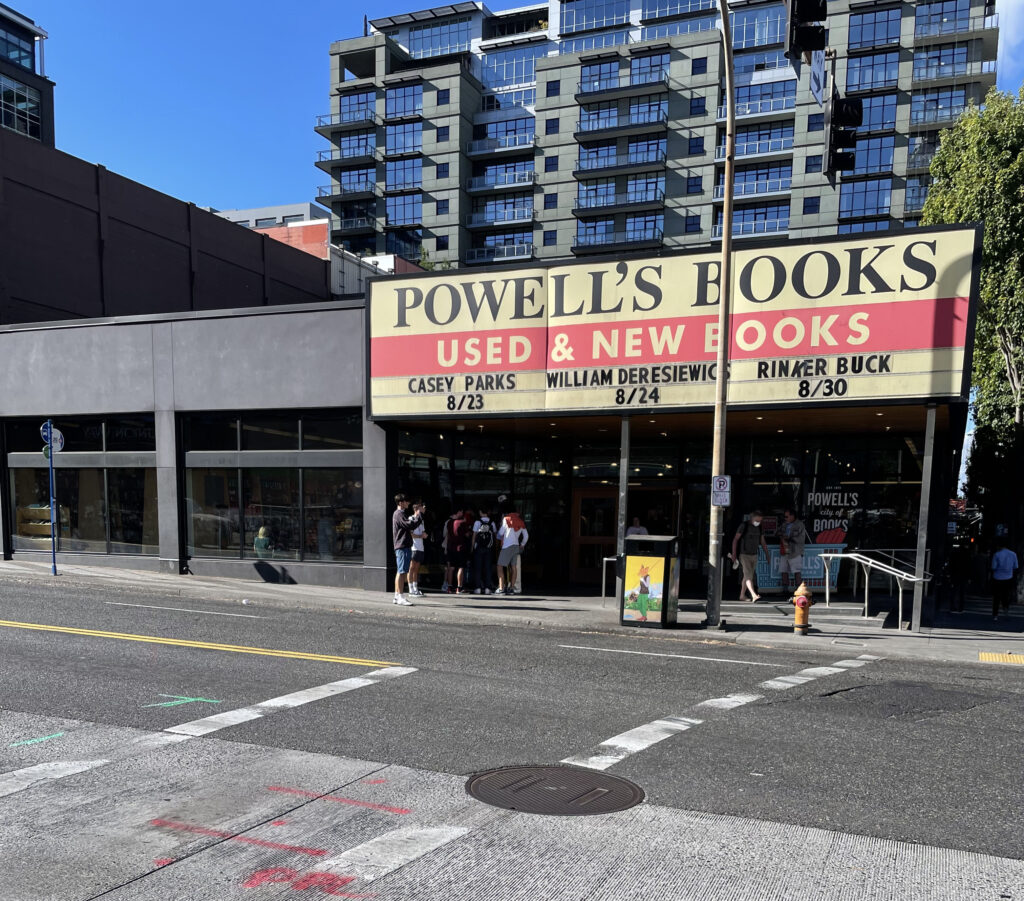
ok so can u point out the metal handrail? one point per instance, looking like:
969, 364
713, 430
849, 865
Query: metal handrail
867, 564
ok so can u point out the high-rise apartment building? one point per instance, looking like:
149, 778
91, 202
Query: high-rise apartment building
26, 94
572, 127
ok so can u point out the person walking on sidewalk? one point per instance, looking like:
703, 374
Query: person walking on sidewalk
483, 554
1004, 578
513, 536
402, 527
791, 549
745, 545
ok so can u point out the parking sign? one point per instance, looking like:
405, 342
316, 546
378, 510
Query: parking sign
721, 491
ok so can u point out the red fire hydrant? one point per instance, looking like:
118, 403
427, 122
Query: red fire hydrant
801, 600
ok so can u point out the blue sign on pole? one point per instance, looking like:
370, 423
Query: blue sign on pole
44, 431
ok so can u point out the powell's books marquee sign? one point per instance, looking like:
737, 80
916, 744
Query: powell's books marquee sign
881, 318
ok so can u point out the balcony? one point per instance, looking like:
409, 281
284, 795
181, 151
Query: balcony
921, 158
764, 188
752, 229
610, 86
914, 202
629, 123
354, 226
598, 41
352, 156
948, 73
639, 239
404, 114
625, 162
357, 118
646, 198
348, 191
984, 27
499, 217
759, 108
505, 181
506, 143
504, 252
946, 115
769, 147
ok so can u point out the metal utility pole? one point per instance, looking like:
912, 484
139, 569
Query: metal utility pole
714, 607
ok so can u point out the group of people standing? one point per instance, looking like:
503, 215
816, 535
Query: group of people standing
475, 549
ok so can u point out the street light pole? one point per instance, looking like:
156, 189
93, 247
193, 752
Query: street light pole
714, 607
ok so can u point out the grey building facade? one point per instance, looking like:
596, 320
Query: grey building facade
460, 135
26, 94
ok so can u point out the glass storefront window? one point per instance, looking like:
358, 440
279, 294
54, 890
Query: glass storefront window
211, 509
131, 433
272, 528
270, 432
211, 432
333, 514
337, 431
133, 511
80, 499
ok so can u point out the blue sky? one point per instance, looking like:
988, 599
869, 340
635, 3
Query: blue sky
214, 102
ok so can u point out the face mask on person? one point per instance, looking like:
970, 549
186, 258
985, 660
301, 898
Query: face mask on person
756, 522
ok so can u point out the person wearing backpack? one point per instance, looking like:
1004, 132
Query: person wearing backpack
746, 543
483, 554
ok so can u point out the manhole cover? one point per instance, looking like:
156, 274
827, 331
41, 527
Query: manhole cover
565, 791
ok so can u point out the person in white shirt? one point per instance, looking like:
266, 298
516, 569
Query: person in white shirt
418, 553
513, 536
636, 528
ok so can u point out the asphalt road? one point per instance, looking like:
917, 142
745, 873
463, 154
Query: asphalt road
896, 751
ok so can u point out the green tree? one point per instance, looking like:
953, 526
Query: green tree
978, 176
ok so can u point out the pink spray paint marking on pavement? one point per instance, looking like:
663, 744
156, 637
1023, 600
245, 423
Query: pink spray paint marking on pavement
367, 804
231, 836
328, 883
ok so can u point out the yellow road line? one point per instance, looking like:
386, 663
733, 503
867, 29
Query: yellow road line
202, 645
992, 657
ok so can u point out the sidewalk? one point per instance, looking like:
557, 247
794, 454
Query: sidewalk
766, 624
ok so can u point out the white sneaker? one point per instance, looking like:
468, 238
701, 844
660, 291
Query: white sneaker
477, 591
416, 593
401, 601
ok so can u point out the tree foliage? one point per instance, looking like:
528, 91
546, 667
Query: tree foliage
978, 176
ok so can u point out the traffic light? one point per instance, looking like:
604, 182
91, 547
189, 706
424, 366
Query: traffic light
803, 34
842, 116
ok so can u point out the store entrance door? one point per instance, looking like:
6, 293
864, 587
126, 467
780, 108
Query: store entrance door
594, 512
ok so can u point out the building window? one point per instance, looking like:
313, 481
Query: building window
550, 238
644, 188
508, 100
441, 242
406, 242
551, 164
879, 113
20, 108
551, 201
758, 27
599, 76
516, 66
17, 48
812, 164
450, 36
441, 208
936, 62
582, 15
442, 134
812, 205
444, 97
403, 101
648, 227
816, 122
857, 228
551, 126
357, 107
865, 198
695, 146
874, 155
941, 105
266, 222
399, 174
441, 170
648, 69
405, 209
698, 106
763, 219
694, 184
691, 224
943, 17
405, 138
874, 29
699, 65
554, 88
868, 73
